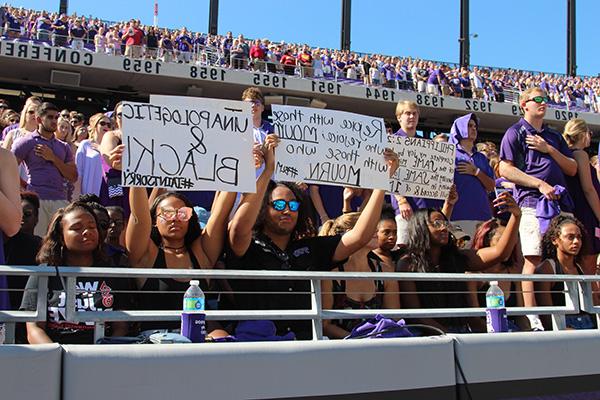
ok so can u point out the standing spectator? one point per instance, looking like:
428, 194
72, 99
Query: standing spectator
535, 158
43, 27
88, 158
184, 46
465, 83
49, 162
166, 47
60, 31
476, 83
77, 34
27, 124
10, 217
133, 38
497, 88
100, 45
473, 177
582, 189
407, 114
289, 62
151, 43
305, 61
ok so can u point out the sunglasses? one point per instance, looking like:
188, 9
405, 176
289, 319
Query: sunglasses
30, 111
439, 224
103, 123
119, 115
172, 214
539, 99
280, 205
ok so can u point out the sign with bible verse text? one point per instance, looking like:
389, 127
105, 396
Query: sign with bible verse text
330, 147
426, 167
185, 143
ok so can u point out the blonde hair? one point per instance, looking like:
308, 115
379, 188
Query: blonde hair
527, 94
405, 105
94, 121
340, 225
28, 106
575, 130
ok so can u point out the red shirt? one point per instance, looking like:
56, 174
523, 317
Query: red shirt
257, 52
135, 39
288, 60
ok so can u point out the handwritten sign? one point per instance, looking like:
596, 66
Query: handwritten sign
185, 143
330, 147
426, 167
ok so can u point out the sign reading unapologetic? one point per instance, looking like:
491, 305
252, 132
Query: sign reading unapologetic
330, 147
426, 167
185, 143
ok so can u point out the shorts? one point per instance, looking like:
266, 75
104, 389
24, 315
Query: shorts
529, 230
433, 89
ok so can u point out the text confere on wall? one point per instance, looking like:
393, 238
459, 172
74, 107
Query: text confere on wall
184, 143
426, 167
330, 147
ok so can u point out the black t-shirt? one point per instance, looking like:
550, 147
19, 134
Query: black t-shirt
309, 254
93, 294
20, 249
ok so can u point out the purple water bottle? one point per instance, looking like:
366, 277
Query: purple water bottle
495, 313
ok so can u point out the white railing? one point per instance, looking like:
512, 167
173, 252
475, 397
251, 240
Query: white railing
578, 296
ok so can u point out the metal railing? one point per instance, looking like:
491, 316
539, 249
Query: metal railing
578, 296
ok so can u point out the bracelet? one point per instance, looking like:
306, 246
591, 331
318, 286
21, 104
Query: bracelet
477, 171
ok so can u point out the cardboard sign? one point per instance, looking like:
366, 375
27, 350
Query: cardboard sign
330, 147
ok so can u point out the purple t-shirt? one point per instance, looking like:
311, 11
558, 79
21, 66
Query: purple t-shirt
534, 163
44, 178
416, 203
473, 203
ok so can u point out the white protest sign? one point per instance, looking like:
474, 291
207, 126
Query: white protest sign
330, 147
426, 167
186, 143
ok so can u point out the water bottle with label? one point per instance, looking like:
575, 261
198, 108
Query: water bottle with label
193, 318
495, 312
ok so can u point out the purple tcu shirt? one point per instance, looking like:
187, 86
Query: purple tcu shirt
534, 163
416, 203
44, 178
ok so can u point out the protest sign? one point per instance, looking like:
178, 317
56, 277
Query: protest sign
426, 167
186, 143
330, 147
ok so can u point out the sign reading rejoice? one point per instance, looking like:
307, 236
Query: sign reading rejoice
426, 167
330, 147
185, 143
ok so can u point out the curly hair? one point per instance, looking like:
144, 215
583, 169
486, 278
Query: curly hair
193, 231
305, 226
419, 243
53, 251
549, 249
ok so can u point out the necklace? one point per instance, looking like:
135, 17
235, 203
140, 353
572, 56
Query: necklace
174, 250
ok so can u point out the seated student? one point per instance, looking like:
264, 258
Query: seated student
562, 251
356, 294
22, 248
488, 235
431, 248
167, 235
270, 231
387, 234
73, 240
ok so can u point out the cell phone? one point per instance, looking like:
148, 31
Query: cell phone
499, 191
597, 232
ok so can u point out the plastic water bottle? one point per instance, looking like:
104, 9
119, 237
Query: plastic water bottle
495, 312
193, 324
193, 299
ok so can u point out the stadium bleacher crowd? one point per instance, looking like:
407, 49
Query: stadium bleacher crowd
529, 205
134, 39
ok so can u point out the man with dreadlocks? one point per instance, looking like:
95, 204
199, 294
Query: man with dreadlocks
271, 231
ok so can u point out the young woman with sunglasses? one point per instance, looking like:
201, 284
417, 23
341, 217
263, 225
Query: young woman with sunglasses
88, 158
167, 234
